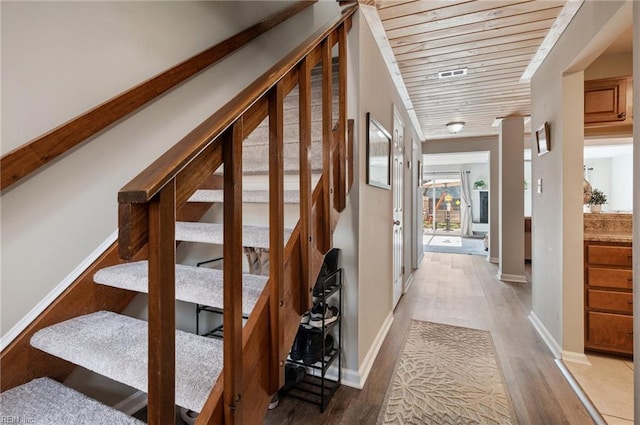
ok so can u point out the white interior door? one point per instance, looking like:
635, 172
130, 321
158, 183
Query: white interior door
397, 188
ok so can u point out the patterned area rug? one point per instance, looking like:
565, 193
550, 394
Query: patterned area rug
447, 375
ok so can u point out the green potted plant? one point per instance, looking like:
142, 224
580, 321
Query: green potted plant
479, 184
598, 198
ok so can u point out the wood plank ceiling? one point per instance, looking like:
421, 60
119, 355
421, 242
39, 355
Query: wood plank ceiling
494, 40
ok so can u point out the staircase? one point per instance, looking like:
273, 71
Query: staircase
231, 380
115, 346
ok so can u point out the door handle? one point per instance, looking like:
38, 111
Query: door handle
396, 222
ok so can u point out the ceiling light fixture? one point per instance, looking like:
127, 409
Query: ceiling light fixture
455, 126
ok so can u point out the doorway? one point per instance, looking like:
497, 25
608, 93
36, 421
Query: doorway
441, 204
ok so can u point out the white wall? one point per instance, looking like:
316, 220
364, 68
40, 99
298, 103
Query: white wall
409, 207
346, 234
599, 174
52, 69
610, 66
477, 171
613, 177
375, 204
528, 188
621, 183
557, 97
375, 277
62, 58
416, 192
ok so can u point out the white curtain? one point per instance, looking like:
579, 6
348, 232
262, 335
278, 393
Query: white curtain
465, 204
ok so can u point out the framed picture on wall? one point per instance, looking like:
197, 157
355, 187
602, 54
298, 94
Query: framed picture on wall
543, 140
378, 154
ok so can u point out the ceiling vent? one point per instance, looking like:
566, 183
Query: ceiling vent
453, 73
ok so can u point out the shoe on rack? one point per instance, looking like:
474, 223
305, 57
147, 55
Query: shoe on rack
322, 311
313, 352
322, 283
312, 349
188, 416
328, 344
329, 267
304, 320
299, 345
293, 375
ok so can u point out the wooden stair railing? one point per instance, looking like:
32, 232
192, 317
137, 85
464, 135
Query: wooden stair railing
28, 158
254, 356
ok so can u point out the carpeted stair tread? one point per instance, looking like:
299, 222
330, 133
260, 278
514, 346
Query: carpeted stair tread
44, 401
115, 346
248, 196
198, 285
212, 233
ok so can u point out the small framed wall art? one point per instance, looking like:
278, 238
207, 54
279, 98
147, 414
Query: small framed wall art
543, 139
378, 154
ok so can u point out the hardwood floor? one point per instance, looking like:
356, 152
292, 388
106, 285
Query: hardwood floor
459, 290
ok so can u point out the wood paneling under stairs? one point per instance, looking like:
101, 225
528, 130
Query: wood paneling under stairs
459, 290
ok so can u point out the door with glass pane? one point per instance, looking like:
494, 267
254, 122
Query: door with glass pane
441, 204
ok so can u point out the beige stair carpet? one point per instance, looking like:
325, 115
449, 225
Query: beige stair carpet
44, 401
447, 375
115, 346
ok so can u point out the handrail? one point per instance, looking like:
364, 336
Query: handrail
27, 158
150, 181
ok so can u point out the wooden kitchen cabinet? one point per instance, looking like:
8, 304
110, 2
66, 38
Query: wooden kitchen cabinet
608, 297
605, 100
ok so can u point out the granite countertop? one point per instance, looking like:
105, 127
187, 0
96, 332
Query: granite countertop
608, 227
607, 236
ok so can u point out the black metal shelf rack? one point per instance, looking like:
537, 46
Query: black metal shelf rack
316, 387
217, 331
